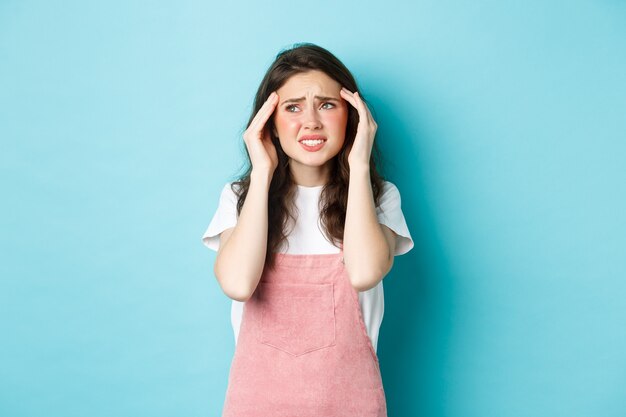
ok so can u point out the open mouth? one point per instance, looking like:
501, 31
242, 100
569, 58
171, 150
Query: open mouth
312, 143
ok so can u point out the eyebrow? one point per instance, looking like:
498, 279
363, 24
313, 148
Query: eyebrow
299, 99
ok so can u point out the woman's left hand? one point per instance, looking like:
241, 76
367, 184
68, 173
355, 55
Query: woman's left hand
365, 132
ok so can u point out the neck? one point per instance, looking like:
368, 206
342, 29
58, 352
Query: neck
308, 176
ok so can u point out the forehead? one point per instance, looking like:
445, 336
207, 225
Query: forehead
310, 81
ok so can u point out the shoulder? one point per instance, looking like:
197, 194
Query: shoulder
228, 198
389, 186
389, 213
390, 193
230, 190
225, 217
231, 187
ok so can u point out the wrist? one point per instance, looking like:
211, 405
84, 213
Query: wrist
359, 168
261, 176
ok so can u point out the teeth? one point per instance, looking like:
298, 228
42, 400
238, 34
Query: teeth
312, 142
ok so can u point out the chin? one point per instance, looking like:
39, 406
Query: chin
311, 162
316, 164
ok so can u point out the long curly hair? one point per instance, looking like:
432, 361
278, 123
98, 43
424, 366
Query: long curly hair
300, 58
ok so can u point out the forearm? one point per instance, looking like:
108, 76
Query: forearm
240, 261
367, 254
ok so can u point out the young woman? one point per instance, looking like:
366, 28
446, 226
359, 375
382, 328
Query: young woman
303, 240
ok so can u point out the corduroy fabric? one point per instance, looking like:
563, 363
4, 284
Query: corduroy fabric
303, 350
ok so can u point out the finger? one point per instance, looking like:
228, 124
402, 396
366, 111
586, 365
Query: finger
349, 97
365, 107
361, 104
266, 109
264, 112
369, 114
355, 100
345, 90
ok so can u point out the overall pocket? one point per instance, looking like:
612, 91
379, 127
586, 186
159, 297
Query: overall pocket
297, 318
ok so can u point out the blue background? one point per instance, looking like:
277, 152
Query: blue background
503, 125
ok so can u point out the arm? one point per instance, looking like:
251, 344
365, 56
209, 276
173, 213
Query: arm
241, 254
368, 246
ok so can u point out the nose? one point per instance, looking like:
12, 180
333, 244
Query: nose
311, 119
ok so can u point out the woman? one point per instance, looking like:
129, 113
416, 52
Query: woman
304, 239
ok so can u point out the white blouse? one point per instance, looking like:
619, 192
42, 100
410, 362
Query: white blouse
307, 238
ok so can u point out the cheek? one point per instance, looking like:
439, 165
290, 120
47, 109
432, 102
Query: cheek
338, 121
285, 124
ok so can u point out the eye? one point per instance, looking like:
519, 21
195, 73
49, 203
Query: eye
291, 108
328, 105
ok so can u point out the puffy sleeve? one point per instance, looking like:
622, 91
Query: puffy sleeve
389, 213
224, 217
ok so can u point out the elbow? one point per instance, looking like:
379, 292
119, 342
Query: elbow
236, 293
367, 278
233, 290
363, 286
364, 283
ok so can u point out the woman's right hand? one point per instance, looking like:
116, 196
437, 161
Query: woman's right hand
258, 140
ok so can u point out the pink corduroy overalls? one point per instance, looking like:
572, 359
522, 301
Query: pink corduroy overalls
302, 349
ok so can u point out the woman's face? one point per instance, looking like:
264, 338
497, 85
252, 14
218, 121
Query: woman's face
310, 120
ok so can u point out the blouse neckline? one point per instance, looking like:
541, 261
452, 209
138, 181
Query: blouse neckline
315, 187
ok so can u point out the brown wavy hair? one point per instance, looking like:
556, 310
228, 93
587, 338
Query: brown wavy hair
297, 59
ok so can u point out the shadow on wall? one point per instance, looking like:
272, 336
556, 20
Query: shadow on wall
413, 342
